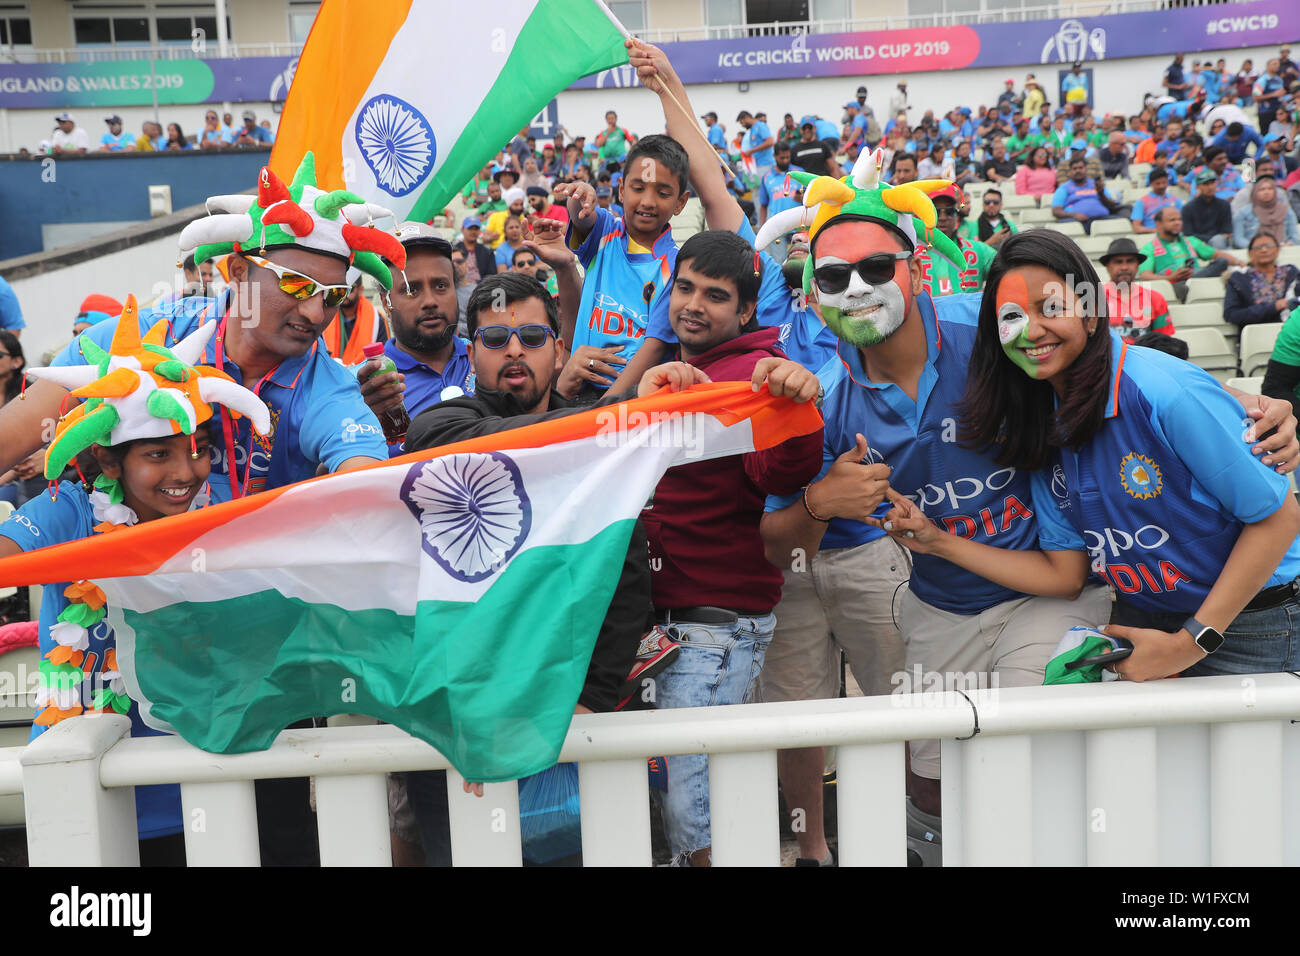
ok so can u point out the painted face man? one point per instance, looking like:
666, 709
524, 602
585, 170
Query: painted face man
864, 280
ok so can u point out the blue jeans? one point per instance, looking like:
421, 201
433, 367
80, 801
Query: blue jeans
718, 664
1256, 642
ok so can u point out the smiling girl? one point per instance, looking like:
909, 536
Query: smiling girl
1140, 474
145, 422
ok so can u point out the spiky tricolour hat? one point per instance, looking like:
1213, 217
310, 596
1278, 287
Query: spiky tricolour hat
862, 196
300, 216
140, 388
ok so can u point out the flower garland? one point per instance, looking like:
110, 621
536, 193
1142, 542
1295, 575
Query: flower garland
61, 671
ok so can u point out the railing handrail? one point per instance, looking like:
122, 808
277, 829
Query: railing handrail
745, 728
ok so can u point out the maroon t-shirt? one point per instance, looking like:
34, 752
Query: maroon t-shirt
702, 526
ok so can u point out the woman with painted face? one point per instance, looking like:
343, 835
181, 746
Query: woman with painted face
1140, 473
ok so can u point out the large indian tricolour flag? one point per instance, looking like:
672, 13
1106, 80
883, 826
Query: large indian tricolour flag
403, 101
456, 593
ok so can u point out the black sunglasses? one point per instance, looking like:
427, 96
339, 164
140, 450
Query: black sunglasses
834, 278
497, 336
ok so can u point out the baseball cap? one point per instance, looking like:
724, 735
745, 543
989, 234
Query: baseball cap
709, 115
809, 124
414, 233
64, 117
471, 222
862, 91
95, 308
249, 114
964, 110
951, 191
1207, 176
603, 191
113, 119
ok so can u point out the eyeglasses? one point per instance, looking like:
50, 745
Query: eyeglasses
992, 201
874, 270
301, 286
498, 336
525, 263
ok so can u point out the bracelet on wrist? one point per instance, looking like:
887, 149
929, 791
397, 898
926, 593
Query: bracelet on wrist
808, 508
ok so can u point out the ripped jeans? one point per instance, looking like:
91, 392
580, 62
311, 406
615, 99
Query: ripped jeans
718, 664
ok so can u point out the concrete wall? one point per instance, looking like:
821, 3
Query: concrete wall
258, 21
35, 192
1120, 86
51, 299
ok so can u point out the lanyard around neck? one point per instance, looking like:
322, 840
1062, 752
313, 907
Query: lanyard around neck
237, 489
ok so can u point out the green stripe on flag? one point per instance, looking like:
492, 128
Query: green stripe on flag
561, 42
491, 684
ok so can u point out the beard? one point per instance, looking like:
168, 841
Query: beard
529, 395
410, 337
865, 320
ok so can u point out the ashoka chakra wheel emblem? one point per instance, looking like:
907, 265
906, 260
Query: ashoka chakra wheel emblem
473, 511
396, 142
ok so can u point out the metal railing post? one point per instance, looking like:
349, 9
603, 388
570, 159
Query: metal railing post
72, 820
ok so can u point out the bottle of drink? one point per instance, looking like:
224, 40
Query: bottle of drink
395, 421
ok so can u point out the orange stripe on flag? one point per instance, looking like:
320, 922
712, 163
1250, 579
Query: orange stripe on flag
347, 43
144, 548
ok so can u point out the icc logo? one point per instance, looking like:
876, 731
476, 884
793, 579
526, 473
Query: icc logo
1059, 487
1072, 44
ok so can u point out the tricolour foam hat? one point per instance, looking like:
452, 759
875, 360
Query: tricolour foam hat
140, 388
298, 216
862, 196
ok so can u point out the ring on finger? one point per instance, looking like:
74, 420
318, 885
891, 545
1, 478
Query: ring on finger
591, 364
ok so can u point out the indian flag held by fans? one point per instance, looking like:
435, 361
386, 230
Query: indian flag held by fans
455, 592
403, 106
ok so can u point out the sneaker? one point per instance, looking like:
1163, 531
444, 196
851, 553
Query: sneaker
834, 861
924, 838
656, 652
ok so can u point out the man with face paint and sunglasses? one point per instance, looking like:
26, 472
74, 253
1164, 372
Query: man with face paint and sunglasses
292, 245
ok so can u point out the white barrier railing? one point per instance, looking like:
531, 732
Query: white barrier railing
1182, 772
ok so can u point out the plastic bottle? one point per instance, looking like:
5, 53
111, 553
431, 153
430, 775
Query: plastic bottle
395, 421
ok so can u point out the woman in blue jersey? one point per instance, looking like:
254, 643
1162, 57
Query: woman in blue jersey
1140, 475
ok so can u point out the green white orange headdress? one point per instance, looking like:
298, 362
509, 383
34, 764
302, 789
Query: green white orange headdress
140, 388
862, 195
301, 216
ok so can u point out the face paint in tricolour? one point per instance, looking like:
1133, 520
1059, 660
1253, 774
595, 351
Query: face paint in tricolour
862, 315
1013, 322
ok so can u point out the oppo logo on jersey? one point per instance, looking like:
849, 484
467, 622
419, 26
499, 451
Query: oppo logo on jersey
261, 460
1159, 577
951, 494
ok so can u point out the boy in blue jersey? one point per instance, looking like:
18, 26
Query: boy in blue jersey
627, 258
152, 462
778, 192
1145, 479
284, 289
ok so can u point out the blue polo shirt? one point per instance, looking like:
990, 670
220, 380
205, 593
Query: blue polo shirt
755, 135
318, 416
11, 313
41, 523
1160, 494
1075, 198
423, 385
777, 190
620, 285
716, 136
826, 129
1229, 184
962, 490
1236, 148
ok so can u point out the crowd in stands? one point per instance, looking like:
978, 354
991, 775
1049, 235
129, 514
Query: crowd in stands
219, 132
1005, 378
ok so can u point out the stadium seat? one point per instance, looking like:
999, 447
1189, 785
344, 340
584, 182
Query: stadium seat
1250, 386
1289, 254
1094, 245
1066, 227
1197, 314
1011, 200
1032, 215
1139, 172
1112, 227
1164, 287
1209, 289
1210, 350
1257, 343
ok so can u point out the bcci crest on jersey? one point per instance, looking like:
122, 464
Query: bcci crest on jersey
1140, 476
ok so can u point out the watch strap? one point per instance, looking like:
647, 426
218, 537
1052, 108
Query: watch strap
1206, 637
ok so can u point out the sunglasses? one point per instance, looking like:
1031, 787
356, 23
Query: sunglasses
874, 270
993, 202
300, 286
498, 336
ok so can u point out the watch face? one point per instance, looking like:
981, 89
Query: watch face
1209, 640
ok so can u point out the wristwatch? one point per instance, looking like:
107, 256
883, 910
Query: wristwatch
1206, 637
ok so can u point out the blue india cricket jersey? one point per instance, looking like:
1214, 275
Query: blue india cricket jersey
1159, 495
620, 285
963, 491
777, 191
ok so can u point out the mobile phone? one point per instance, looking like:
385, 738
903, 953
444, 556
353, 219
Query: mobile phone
1122, 650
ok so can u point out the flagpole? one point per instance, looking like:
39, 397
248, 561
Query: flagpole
694, 125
